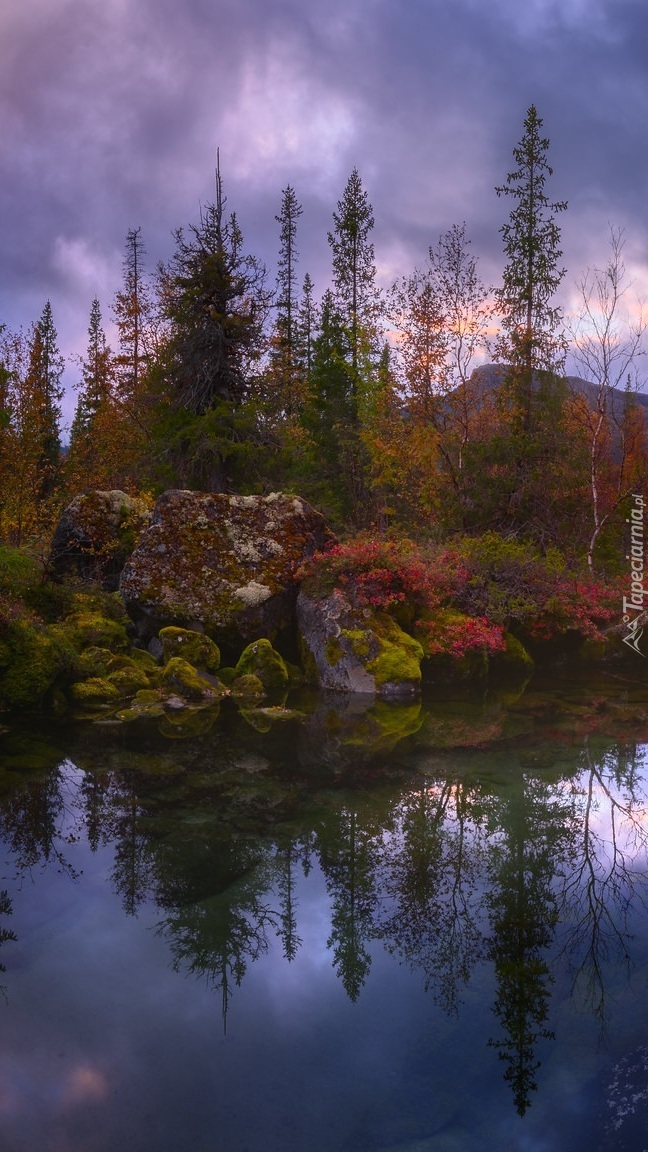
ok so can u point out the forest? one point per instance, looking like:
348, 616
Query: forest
436, 415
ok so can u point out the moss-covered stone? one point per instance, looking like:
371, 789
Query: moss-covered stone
247, 686
33, 660
514, 661
95, 693
194, 647
93, 661
227, 676
397, 666
128, 681
89, 630
359, 651
182, 678
143, 659
260, 659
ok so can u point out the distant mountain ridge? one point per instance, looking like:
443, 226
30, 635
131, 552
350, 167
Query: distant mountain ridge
488, 377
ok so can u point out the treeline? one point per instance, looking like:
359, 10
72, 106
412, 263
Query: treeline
364, 401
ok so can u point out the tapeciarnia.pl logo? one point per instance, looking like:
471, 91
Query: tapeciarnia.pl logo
633, 607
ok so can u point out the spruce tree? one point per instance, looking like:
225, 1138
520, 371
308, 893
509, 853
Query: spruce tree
214, 302
44, 389
531, 341
354, 275
532, 347
285, 340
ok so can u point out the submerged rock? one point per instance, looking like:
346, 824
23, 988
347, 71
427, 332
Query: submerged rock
95, 536
222, 564
353, 650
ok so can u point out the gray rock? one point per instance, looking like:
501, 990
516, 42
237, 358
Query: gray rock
223, 563
346, 649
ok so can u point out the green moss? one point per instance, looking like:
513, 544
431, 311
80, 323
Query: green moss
87, 629
194, 647
360, 641
227, 675
260, 659
182, 678
592, 651
94, 661
334, 651
95, 693
33, 660
128, 681
295, 675
515, 660
398, 662
143, 659
247, 686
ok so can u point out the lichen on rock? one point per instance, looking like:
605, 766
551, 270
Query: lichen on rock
96, 534
225, 562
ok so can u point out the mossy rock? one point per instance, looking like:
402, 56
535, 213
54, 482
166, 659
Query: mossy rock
33, 661
144, 659
93, 662
178, 676
90, 630
397, 666
95, 693
227, 676
514, 662
194, 647
128, 681
260, 659
247, 686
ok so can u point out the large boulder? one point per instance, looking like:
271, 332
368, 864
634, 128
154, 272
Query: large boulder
225, 564
347, 649
95, 536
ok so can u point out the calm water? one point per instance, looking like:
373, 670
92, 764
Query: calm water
360, 928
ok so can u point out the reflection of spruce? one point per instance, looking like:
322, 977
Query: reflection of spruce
349, 857
215, 937
286, 861
6, 934
523, 919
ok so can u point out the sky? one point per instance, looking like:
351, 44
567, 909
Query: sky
112, 112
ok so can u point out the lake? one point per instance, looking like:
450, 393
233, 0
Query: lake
337, 926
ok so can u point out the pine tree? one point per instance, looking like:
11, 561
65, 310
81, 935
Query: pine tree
354, 275
285, 338
531, 341
215, 303
132, 311
306, 328
43, 387
532, 346
91, 460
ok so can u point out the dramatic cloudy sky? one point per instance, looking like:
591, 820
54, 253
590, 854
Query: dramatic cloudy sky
112, 111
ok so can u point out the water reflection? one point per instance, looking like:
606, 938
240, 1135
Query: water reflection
506, 862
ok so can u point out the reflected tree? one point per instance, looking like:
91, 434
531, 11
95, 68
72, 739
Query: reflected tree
432, 871
349, 850
532, 824
608, 869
